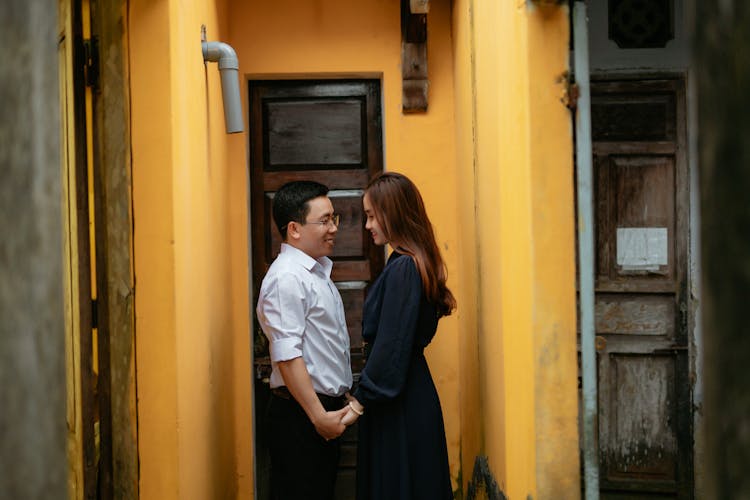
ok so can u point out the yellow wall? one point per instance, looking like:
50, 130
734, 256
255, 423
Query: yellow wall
193, 353
518, 356
156, 372
467, 270
553, 293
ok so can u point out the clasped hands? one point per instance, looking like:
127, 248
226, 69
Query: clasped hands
332, 424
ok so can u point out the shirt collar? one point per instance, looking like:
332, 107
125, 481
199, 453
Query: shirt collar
305, 260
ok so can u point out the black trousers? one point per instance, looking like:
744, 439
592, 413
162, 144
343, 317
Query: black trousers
303, 463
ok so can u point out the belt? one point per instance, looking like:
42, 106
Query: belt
334, 402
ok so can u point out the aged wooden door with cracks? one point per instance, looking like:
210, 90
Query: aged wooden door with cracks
328, 131
641, 212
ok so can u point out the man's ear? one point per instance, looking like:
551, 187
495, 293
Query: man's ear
292, 231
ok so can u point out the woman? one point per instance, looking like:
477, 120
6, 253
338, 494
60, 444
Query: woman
402, 453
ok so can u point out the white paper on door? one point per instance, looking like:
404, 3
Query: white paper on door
642, 248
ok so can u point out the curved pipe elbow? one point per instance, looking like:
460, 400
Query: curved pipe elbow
222, 53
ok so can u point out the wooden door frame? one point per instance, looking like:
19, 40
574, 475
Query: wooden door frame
685, 259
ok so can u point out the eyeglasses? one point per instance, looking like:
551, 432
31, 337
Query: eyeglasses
328, 221
331, 220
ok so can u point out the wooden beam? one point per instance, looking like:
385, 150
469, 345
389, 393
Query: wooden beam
414, 57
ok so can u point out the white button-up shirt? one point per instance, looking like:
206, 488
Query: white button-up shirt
301, 313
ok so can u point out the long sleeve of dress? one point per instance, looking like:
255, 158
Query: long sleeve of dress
385, 372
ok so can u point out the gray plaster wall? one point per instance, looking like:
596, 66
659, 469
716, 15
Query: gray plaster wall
32, 354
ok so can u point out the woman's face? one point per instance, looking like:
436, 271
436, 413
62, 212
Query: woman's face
372, 223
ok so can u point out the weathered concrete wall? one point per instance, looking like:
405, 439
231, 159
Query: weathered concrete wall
721, 44
32, 377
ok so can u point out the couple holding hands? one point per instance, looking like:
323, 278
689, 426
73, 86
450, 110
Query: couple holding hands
401, 452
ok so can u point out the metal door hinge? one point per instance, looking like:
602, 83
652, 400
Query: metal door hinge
91, 62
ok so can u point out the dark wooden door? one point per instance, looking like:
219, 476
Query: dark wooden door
328, 131
641, 213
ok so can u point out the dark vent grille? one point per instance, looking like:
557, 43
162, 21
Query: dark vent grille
641, 24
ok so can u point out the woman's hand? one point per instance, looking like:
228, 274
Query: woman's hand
356, 410
349, 418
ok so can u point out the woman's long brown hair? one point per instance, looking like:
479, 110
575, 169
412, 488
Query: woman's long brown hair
399, 209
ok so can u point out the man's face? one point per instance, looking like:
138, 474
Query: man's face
317, 236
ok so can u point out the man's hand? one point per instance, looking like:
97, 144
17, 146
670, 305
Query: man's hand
328, 424
297, 380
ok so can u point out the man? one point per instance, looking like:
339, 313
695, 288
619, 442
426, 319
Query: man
301, 313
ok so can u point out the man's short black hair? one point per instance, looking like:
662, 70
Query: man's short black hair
290, 202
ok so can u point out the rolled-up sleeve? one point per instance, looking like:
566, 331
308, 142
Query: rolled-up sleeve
282, 311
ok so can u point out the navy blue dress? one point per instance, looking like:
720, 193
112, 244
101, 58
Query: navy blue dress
402, 454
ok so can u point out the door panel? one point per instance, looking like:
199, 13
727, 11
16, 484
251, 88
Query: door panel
640, 426
631, 314
645, 115
645, 432
314, 132
328, 131
636, 220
